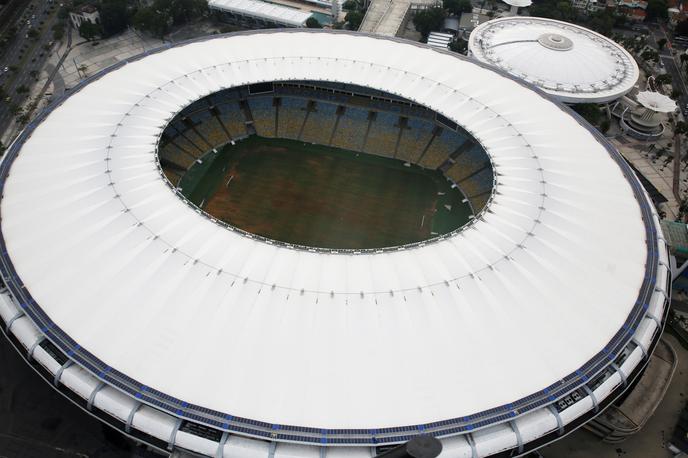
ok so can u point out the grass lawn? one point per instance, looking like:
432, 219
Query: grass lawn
321, 196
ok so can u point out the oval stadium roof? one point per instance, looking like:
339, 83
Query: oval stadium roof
572, 63
531, 301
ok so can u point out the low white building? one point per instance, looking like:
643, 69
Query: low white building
87, 13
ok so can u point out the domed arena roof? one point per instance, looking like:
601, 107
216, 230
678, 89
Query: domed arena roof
572, 63
534, 314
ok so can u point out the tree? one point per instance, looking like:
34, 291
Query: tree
589, 111
149, 20
683, 58
114, 17
656, 9
553, 9
675, 94
22, 89
350, 5
353, 20
661, 43
89, 30
33, 33
663, 79
682, 28
428, 20
458, 45
312, 23
34, 74
456, 7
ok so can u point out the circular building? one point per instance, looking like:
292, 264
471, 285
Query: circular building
187, 331
646, 122
569, 62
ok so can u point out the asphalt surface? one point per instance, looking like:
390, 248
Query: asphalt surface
34, 56
38, 422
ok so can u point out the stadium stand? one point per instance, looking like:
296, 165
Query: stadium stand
382, 137
232, 118
441, 146
350, 129
328, 117
414, 139
320, 122
291, 117
264, 119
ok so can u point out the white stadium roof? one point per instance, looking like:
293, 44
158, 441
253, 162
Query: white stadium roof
525, 304
570, 62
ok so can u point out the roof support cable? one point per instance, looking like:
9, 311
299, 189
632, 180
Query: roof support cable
58, 374
94, 393
173, 434
130, 418
220, 452
655, 319
471, 442
593, 398
663, 291
560, 423
639, 345
18, 315
32, 348
621, 373
519, 438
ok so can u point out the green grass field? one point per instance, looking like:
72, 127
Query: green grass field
325, 197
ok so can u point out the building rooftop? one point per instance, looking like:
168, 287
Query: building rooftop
570, 62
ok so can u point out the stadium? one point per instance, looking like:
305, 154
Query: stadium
168, 268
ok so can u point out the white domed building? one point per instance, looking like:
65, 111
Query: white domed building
571, 63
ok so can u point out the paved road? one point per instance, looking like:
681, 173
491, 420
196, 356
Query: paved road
34, 58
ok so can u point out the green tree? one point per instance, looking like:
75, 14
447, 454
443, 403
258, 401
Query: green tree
456, 7
458, 45
682, 28
656, 9
353, 20
589, 111
147, 19
89, 30
554, 9
661, 43
350, 5
114, 16
22, 89
312, 23
428, 20
663, 79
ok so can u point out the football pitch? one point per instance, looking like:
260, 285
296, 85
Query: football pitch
321, 196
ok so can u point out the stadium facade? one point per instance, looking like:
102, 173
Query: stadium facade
569, 62
188, 334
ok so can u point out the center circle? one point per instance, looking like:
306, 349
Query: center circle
555, 42
326, 166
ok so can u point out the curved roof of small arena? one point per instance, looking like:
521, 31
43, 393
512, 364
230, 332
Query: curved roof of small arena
570, 62
157, 299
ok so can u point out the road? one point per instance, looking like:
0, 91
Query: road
33, 59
